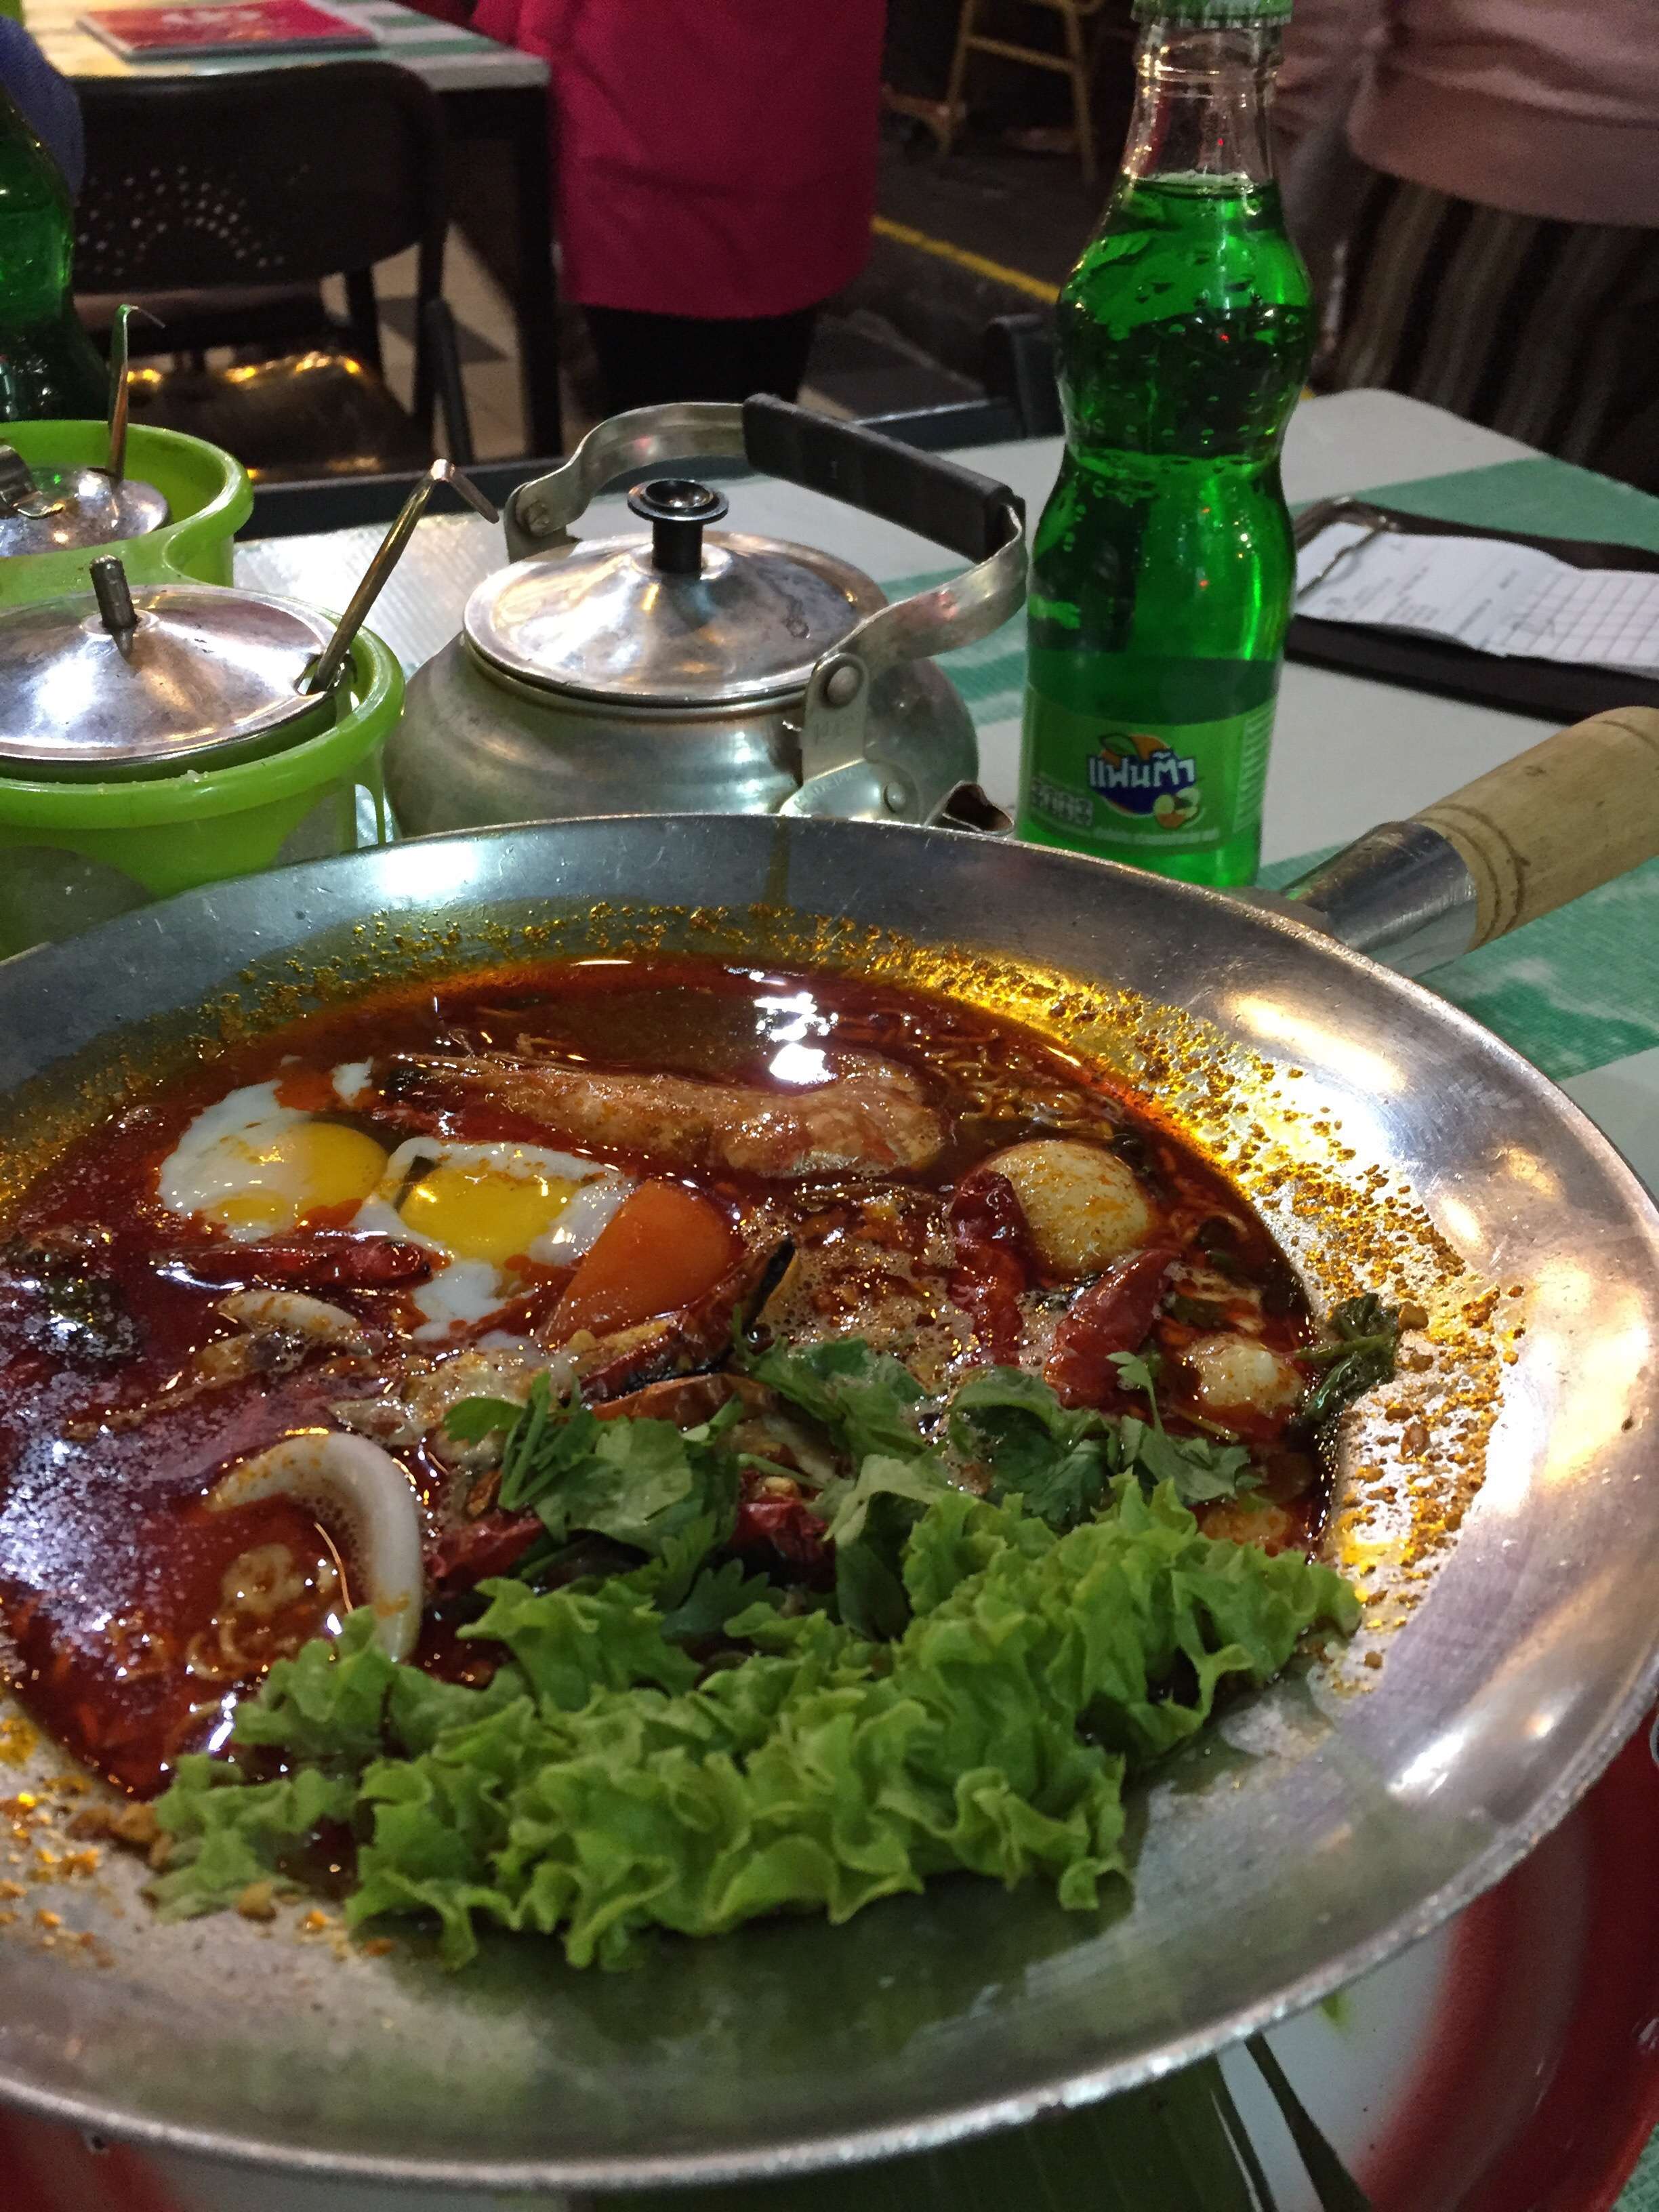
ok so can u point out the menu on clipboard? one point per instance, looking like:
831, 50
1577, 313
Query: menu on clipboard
1484, 592
159, 34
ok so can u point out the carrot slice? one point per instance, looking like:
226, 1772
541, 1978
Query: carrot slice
663, 1248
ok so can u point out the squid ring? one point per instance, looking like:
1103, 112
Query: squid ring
360, 1492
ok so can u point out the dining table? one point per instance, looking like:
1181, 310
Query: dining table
492, 95
1509, 2061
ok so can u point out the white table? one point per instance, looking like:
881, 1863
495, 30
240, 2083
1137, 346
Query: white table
448, 57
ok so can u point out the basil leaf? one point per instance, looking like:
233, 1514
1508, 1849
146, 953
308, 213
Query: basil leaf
1366, 1335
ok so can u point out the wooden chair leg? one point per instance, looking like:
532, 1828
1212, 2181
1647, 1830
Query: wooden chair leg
1077, 55
953, 107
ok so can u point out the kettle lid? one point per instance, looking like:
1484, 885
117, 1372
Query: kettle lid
679, 619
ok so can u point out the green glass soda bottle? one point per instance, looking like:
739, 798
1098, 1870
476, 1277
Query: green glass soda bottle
48, 365
1163, 567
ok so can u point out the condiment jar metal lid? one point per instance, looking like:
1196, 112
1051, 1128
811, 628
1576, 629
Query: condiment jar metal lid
46, 510
110, 685
674, 621
54, 510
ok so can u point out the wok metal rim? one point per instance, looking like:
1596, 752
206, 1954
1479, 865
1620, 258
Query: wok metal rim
970, 2119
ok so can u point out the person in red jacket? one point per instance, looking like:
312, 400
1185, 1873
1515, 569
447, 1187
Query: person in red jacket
714, 177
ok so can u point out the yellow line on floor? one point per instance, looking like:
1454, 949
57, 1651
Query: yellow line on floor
942, 250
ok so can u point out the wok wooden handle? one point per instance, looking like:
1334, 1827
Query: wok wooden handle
1575, 811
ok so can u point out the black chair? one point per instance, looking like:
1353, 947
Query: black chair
1022, 400
1018, 365
221, 203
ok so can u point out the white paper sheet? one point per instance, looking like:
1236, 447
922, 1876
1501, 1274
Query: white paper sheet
1482, 593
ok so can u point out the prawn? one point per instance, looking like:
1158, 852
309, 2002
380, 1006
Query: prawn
871, 1118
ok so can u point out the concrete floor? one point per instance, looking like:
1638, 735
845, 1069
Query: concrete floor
964, 237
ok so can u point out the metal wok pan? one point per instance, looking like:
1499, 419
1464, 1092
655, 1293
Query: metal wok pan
1332, 1819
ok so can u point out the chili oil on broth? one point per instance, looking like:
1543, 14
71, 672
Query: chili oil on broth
136, 1615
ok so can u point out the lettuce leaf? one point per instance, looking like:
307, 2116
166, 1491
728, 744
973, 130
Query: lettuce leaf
570, 1642
1111, 1609
869, 1595
327, 1703
229, 1833
600, 1790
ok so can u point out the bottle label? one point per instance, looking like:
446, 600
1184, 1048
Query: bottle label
1127, 787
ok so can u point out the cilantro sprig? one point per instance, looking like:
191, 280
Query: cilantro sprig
1061, 1459
640, 1482
870, 1406
866, 1400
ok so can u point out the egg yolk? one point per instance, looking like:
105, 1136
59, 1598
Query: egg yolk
306, 1168
478, 1211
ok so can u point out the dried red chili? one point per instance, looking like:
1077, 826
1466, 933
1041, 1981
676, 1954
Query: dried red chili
1113, 1315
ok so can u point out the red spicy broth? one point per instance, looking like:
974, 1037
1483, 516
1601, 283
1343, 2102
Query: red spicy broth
134, 1614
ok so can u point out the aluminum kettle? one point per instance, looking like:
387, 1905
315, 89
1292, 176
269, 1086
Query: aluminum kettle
684, 669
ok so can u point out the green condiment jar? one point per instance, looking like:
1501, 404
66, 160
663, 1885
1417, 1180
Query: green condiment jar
155, 739
200, 492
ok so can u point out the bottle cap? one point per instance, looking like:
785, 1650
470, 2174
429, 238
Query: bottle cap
1212, 15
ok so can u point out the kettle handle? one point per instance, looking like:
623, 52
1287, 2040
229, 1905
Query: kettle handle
923, 492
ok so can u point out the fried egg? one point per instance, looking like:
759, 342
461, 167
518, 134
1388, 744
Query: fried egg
485, 1209
256, 1168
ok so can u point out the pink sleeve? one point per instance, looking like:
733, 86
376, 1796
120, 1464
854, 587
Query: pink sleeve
1326, 42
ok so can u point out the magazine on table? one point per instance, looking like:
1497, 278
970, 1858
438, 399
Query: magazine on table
157, 35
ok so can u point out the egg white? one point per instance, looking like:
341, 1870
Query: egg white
247, 1165
351, 1079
